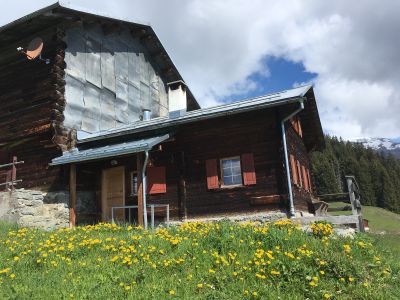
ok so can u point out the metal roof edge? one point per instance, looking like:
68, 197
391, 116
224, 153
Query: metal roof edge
81, 9
73, 157
30, 16
193, 116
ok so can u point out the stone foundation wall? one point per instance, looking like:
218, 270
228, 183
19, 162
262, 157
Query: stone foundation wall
30, 208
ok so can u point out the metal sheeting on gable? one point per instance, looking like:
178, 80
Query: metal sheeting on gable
93, 62
107, 69
107, 110
74, 109
91, 113
109, 80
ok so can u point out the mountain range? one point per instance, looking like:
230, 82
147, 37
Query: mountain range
384, 145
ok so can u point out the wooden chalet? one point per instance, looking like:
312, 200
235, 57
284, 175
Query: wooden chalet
110, 121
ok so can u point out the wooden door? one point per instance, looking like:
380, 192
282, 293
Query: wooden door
113, 193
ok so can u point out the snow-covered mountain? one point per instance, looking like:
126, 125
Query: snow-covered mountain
384, 145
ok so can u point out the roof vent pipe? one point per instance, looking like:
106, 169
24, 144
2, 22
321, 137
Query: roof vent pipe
146, 114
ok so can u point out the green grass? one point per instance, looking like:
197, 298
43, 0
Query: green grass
194, 261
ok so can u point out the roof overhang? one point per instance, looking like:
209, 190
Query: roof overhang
267, 101
109, 151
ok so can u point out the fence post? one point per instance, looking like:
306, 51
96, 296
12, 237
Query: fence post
354, 206
13, 173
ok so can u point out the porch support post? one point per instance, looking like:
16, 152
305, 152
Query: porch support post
182, 187
72, 195
139, 167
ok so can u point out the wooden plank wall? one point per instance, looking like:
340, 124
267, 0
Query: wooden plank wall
296, 147
254, 132
31, 106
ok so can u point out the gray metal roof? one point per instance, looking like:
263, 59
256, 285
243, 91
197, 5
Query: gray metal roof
275, 99
74, 7
77, 156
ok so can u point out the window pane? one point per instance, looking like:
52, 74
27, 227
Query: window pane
228, 172
226, 163
228, 180
236, 171
237, 179
235, 163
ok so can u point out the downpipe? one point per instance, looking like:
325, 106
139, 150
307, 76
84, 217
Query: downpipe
289, 180
144, 183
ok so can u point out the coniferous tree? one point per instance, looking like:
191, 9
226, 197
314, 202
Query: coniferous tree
378, 175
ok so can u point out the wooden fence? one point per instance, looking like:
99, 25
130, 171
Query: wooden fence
11, 175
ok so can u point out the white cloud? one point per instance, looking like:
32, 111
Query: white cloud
351, 45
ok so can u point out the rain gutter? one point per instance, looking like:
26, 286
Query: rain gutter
285, 150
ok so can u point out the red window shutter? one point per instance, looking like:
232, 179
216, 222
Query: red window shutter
305, 179
293, 121
300, 180
156, 180
294, 169
249, 173
212, 174
299, 130
309, 180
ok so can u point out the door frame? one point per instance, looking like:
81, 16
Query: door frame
104, 190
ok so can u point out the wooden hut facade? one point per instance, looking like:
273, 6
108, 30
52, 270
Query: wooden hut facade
110, 121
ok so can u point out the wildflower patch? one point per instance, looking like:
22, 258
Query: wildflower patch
220, 260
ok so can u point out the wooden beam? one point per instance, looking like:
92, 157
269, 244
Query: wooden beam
72, 195
182, 188
139, 167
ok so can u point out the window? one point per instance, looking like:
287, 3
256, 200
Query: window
234, 171
134, 184
231, 172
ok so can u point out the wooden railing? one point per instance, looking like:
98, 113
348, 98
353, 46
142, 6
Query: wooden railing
11, 175
353, 198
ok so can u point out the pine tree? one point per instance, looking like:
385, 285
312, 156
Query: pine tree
378, 175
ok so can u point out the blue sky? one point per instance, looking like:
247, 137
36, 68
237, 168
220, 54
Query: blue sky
283, 74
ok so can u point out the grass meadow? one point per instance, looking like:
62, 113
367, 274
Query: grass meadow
220, 260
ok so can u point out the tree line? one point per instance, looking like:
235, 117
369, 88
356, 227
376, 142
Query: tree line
377, 174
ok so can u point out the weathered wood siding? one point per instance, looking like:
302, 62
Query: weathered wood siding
297, 148
31, 105
254, 132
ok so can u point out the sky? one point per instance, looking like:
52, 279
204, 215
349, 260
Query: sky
228, 50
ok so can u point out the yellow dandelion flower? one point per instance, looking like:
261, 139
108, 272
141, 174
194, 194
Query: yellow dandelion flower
274, 272
199, 285
327, 296
12, 276
171, 292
